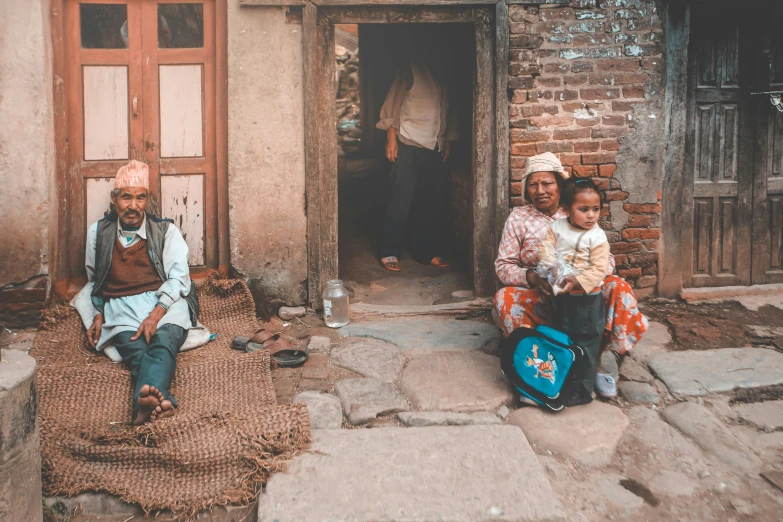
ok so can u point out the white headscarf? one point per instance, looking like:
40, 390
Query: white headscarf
546, 162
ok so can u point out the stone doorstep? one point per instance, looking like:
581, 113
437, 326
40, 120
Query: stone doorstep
691, 295
104, 505
459, 474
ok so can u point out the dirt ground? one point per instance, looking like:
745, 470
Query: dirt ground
714, 325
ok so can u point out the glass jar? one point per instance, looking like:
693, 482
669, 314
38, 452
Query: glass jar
335, 298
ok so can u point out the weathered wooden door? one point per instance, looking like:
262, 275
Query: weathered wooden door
140, 84
767, 239
732, 211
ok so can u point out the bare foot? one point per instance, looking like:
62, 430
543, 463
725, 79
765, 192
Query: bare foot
149, 399
166, 409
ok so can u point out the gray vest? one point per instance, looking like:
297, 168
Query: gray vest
104, 246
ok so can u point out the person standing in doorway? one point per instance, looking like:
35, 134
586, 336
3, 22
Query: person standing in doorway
419, 125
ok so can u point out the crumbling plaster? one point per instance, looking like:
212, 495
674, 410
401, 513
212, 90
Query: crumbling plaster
266, 155
27, 156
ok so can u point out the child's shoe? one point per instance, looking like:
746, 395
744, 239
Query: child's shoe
605, 385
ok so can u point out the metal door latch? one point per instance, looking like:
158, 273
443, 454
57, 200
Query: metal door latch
774, 98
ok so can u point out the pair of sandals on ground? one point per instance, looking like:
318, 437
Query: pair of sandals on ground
281, 350
393, 264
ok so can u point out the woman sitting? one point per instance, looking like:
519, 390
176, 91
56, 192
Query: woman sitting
523, 300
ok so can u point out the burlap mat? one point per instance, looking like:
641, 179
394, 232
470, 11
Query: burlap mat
226, 439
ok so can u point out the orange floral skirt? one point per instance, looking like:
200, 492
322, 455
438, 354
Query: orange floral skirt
625, 324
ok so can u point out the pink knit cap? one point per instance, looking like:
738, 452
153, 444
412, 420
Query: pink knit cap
134, 174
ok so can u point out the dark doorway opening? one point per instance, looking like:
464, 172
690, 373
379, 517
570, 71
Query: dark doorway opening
368, 58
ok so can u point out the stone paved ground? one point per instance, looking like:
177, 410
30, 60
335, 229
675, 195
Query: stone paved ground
658, 452
650, 454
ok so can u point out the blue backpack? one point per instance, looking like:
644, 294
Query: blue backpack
543, 364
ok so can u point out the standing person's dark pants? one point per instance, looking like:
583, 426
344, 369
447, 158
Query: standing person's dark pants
582, 318
152, 364
417, 174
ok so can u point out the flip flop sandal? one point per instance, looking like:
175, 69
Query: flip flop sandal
279, 348
605, 385
439, 262
391, 263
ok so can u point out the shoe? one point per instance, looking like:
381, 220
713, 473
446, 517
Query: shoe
605, 385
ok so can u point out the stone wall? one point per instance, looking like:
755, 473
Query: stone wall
266, 154
586, 83
26, 158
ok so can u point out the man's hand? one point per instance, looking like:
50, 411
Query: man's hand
444, 154
150, 324
391, 144
94, 332
536, 282
571, 283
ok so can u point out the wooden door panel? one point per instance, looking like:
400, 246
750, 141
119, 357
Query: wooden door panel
106, 135
718, 186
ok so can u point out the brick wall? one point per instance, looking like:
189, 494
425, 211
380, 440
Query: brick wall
21, 304
576, 73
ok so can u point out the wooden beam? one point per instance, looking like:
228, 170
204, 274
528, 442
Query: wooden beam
401, 3
312, 180
501, 209
271, 3
483, 152
383, 14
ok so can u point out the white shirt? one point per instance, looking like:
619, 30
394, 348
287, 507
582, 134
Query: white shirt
123, 314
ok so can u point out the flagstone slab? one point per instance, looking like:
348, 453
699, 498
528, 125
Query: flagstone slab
427, 334
365, 399
638, 392
765, 415
422, 419
461, 382
588, 434
699, 372
324, 409
457, 474
371, 358
654, 341
711, 435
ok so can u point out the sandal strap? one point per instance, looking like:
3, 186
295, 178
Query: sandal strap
261, 336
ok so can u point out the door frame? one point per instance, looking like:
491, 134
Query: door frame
490, 123
63, 247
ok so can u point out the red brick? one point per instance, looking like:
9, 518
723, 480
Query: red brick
612, 145
599, 157
631, 272
641, 233
625, 248
621, 105
595, 93
602, 184
614, 119
586, 146
643, 258
525, 42
646, 282
531, 109
570, 134
527, 136
635, 220
616, 195
642, 208
519, 96
549, 81
609, 132
585, 171
523, 149
620, 259
618, 65
633, 91
517, 162
516, 188
650, 270
589, 122
516, 27
566, 95
552, 121
580, 67
576, 79
651, 63
524, 69
555, 68
570, 159
23, 295
564, 13
517, 174
554, 146
606, 171
315, 373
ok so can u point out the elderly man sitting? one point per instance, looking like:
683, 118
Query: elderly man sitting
143, 297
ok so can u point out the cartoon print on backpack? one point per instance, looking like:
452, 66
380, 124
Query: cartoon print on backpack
545, 369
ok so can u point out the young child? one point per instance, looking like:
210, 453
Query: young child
578, 307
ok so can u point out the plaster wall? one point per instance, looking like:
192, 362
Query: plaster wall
266, 154
27, 158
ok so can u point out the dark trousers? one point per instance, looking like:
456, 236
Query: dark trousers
152, 363
418, 189
582, 317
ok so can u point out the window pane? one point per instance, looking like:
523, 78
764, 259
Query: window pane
180, 25
104, 26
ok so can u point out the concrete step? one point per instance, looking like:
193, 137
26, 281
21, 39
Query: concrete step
465, 473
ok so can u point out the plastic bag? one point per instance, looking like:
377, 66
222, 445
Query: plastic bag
556, 272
